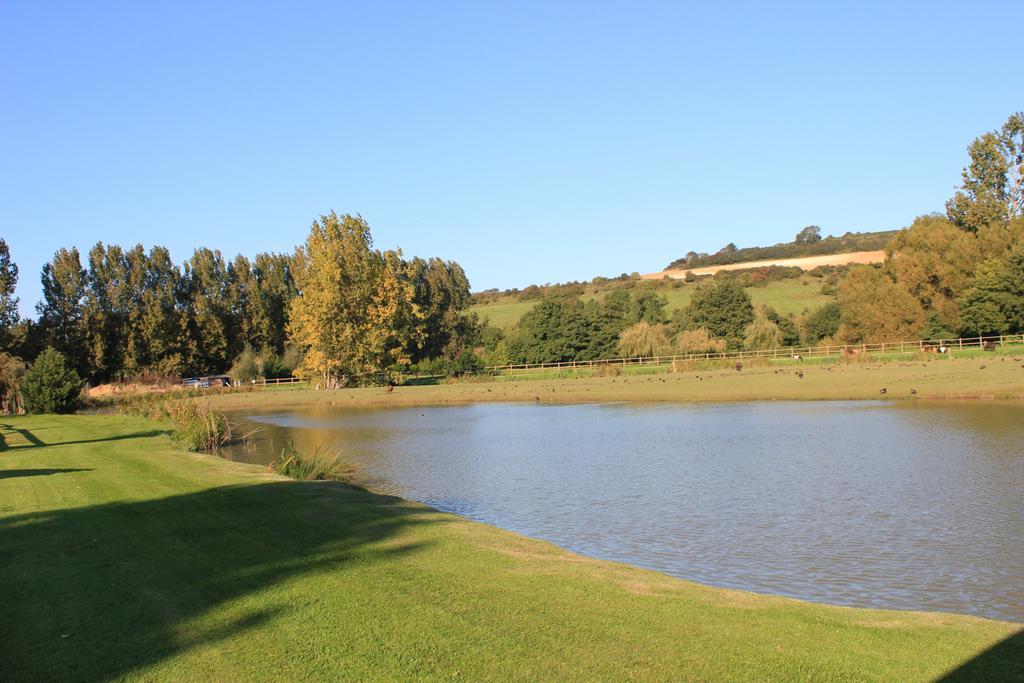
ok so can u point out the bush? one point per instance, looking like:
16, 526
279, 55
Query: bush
822, 322
12, 373
50, 386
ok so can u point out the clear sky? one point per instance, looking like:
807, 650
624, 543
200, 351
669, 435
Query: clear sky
532, 142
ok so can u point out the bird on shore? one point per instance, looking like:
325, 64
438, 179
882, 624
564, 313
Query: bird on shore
800, 374
913, 392
882, 390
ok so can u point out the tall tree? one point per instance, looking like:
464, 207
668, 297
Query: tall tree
874, 308
8, 302
276, 289
159, 327
205, 295
993, 181
61, 310
105, 311
933, 260
349, 300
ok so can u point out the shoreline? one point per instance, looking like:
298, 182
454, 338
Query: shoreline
973, 379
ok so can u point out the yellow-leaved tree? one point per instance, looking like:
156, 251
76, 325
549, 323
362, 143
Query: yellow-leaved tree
353, 304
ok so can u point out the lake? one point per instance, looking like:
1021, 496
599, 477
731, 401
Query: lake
909, 505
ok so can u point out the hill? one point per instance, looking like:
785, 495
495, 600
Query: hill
808, 242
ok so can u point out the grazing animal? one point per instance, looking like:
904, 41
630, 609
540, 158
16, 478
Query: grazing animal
797, 356
988, 345
389, 389
930, 348
738, 366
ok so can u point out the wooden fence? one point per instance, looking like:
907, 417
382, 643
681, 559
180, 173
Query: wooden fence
804, 352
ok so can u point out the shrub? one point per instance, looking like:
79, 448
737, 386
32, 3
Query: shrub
50, 386
822, 322
321, 466
12, 373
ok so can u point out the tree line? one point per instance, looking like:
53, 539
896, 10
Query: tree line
336, 308
339, 311
958, 274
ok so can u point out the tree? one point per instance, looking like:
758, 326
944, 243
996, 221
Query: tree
443, 327
556, 329
723, 307
762, 333
50, 385
648, 307
12, 374
206, 301
809, 235
993, 304
993, 181
644, 339
61, 310
159, 322
276, 289
105, 311
8, 302
698, 341
874, 308
933, 260
822, 322
350, 300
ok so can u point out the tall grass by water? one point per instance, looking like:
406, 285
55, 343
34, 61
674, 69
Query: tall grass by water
321, 465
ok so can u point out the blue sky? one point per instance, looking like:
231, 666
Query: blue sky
532, 142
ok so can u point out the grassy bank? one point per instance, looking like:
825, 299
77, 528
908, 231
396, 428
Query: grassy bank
121, 557
985, 377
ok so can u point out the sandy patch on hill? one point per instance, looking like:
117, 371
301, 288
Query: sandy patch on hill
805, 262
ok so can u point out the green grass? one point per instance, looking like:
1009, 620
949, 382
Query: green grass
785, 296
121, 557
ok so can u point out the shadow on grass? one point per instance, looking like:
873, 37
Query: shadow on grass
99, 592
12, 474
35, 442
1004, 661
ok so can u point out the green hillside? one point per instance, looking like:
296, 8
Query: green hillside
788, 297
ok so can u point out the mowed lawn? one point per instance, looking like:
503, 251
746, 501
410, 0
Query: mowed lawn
785, 296
121, 557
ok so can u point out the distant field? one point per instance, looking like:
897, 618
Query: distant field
785, 296
805, 262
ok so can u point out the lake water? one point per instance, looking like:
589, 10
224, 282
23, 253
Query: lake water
895, 505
